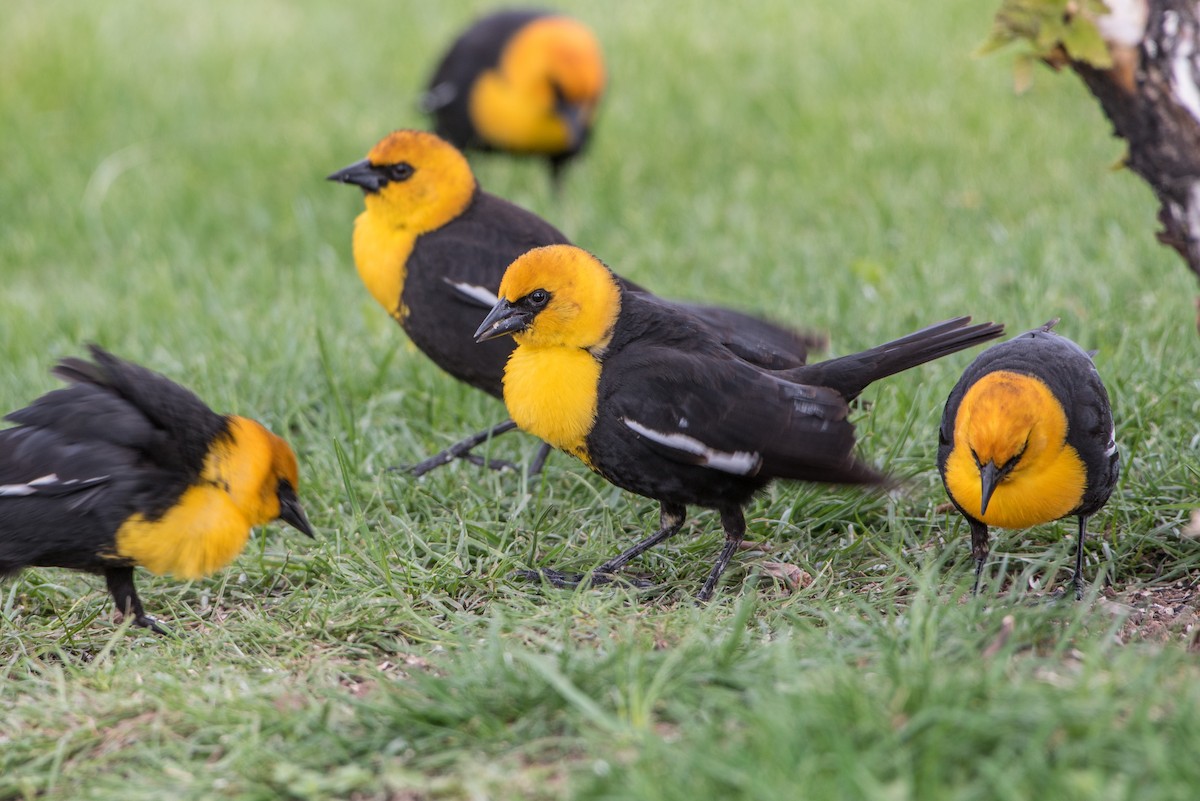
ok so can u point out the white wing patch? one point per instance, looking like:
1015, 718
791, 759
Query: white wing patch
740, 463
438, 97
31, 487
50, 481
477, 293
1112, 443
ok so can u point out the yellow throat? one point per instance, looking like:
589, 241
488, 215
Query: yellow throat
552, 378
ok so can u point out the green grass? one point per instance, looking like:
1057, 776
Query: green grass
850, 169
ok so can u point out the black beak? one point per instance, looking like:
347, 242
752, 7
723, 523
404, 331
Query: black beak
575, 116
360, 173
989, 474
290, 510
504, 318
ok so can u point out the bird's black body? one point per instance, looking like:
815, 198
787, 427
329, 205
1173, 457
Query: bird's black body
476, 50
672, 377
1069, 373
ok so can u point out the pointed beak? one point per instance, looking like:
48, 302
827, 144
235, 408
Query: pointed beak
989, 474
360, 173
290, 510
504, 318
575, 116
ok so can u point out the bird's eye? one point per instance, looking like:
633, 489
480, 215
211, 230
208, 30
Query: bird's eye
539, 297
400, 172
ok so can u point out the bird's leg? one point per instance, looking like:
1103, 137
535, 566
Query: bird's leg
734, 523
462, 450
979, 550
124, 594
670, 519
1077, 581
539, 460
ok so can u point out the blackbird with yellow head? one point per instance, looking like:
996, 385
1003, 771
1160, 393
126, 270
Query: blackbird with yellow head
1027, 437
125, 468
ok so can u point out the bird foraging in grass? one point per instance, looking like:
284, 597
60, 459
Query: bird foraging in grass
519, 81
431, 247
125, 468
1027, 437
651, 400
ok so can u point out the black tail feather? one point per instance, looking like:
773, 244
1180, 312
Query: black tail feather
850, 375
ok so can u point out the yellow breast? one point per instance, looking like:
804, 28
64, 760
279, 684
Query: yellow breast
381, 254
1026, 497
551, 393
198, 536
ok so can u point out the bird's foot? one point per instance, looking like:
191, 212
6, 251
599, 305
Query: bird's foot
567, 581
446, 457
147, 622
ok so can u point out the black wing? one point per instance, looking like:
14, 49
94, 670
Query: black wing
715, 411
115, 401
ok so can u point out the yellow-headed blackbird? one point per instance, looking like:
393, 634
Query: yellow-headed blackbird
653, 402
1027, 437
524, 82
124, 467
432, 246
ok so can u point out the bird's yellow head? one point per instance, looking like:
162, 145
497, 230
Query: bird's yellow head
542, 96
413, 181
261, 474
1011, 465
558, 295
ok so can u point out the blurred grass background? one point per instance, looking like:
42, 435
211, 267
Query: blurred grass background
851, 169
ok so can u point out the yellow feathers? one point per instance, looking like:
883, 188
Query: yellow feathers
551, 393
554, 66
551, 380
209, 525
1008, 416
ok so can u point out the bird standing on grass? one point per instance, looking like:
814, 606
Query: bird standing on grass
431, 248
1026, 438
648, 398
525, 82
124, 467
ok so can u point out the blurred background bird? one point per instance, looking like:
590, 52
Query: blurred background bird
431, 247
519, 81
1027, 437
647, 397
125, 468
